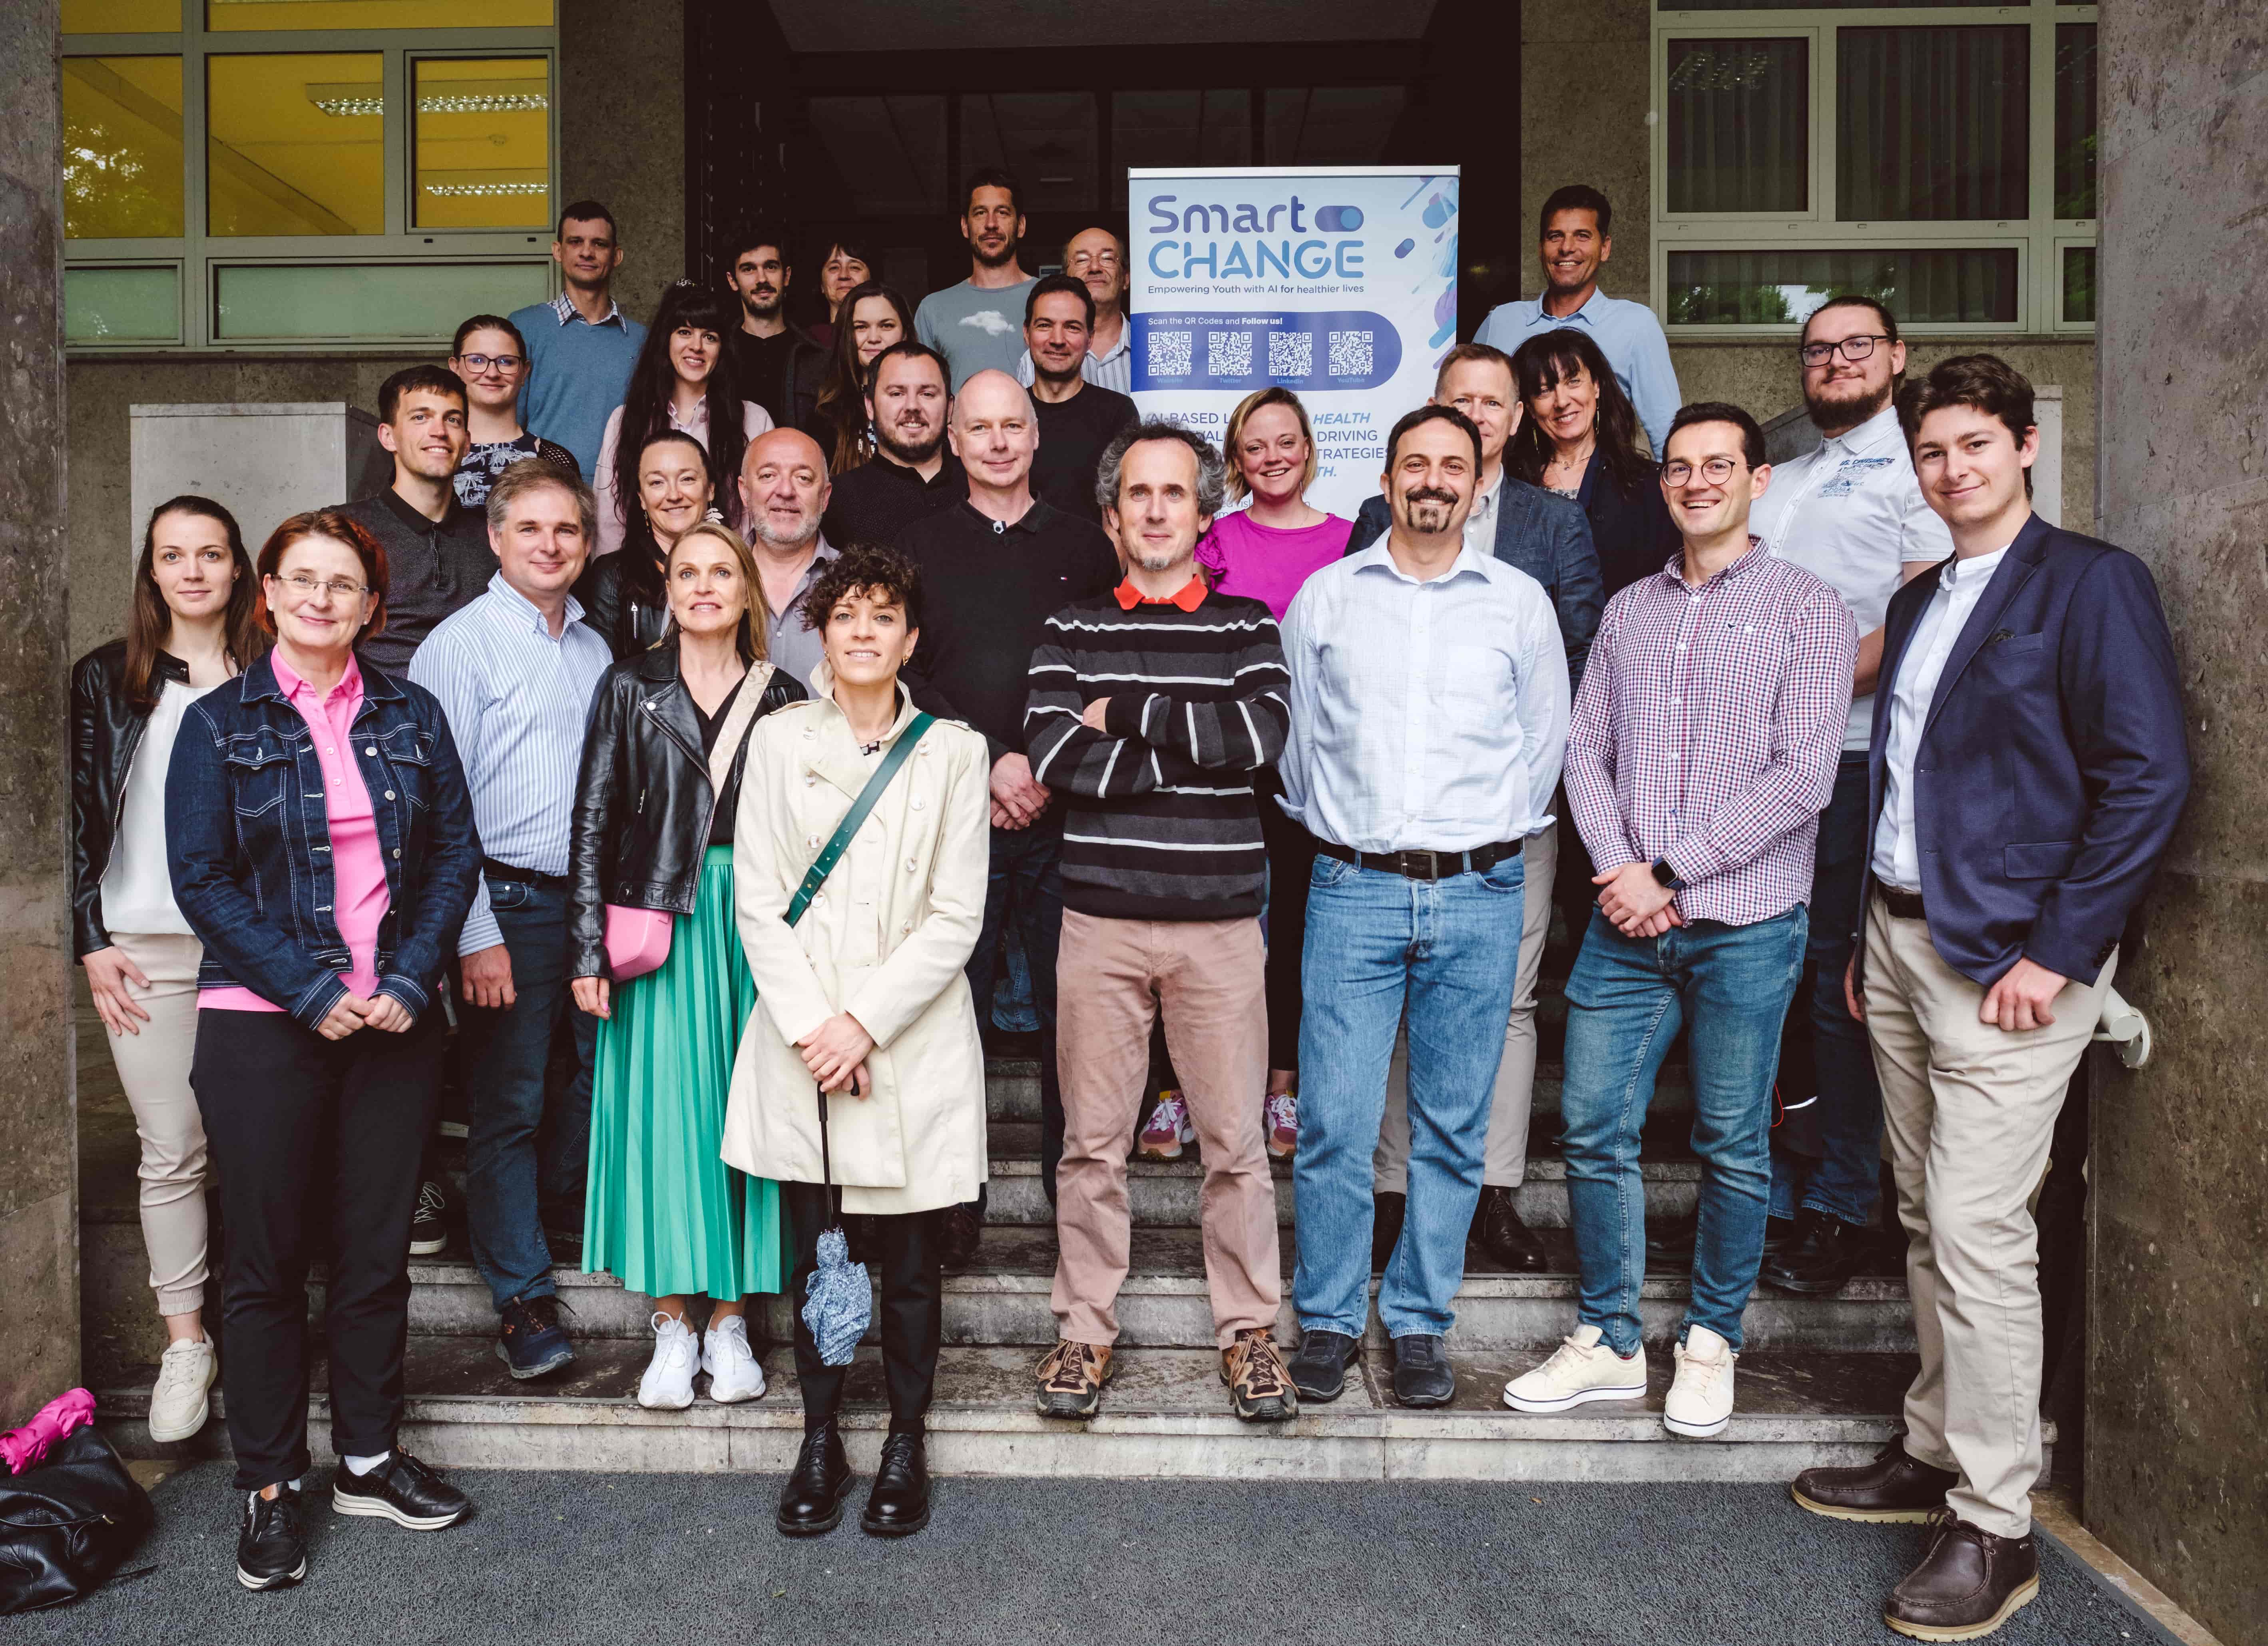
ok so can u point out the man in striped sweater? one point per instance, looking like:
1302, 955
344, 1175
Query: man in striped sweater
1152, 708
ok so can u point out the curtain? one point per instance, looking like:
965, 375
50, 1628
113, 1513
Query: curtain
1933, 124
1739, 123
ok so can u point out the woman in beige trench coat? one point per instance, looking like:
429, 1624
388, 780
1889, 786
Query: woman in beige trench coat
866, 992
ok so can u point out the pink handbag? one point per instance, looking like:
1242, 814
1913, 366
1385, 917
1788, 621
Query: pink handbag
638, 939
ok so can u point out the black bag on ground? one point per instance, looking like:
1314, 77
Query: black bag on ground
68, 1524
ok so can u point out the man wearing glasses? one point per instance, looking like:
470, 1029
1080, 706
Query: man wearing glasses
1702, 746
1850, 513
1097, 258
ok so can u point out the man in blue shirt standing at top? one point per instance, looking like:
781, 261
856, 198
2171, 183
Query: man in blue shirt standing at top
1575, 236
581, 344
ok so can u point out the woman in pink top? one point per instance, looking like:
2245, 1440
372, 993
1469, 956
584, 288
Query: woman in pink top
1267, 551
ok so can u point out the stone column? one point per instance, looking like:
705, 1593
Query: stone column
39, 1128
2176, 1476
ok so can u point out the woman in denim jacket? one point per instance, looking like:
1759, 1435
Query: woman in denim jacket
324, 853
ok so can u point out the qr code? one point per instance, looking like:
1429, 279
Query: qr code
1228, 353
1291, 353
1169, 353
1351, 354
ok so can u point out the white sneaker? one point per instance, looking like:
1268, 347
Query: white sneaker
183, 1400
667, 1385
1700, 1400
1581, 1369
733, 1374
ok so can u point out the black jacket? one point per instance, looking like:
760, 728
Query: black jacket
1633, 534
628, 627
643, 804
106, 730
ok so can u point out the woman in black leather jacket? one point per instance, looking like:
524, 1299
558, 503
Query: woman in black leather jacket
622, 593
190, 627
654, 810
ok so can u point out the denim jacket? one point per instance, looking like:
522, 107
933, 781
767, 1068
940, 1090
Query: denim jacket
250, 838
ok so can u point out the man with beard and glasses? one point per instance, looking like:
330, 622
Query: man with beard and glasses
767, 352
1097, 258
976, 324
1077, 419
783, 497
995, 566
1852, 514
911, 474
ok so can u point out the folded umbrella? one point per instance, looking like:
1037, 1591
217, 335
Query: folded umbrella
838, 1299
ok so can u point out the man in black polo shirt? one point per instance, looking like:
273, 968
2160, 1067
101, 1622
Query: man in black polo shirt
1077, 419
995, 566
911, 474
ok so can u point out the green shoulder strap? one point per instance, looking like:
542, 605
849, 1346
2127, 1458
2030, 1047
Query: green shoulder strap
832, 852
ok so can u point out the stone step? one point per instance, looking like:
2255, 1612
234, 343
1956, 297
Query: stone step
1004, 1302
1165, 1414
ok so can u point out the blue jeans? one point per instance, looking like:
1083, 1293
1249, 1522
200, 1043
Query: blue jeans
1846, 1181
1729, 986
528, 1142
1448, 952
1026, 887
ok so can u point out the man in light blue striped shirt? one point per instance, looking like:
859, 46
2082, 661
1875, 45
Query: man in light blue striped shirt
515, 671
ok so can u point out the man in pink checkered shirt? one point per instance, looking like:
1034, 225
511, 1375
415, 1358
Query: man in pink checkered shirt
1702, 748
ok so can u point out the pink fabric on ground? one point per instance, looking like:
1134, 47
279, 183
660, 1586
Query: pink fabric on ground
26, 1447
1267, 563
359, 898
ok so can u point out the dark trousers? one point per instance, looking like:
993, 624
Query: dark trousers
1291, 860
1025, 888
528, 1144
316, 1144
904, 1255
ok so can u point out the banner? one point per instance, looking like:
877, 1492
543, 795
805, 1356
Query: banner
1339, 283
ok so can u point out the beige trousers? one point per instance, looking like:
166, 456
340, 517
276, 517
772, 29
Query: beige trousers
1504, 1157
1969, 1111
1112, 979
153, 1067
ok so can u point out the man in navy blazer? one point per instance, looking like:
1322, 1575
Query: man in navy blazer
1548, 538
2028, 766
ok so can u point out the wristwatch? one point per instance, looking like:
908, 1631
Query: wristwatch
1666, 875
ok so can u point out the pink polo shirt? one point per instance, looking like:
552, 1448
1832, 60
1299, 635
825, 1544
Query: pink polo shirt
358, 894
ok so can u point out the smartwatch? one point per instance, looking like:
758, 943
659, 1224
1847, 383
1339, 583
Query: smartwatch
1664, 876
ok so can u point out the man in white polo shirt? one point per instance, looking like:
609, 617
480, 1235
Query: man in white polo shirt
1850, 513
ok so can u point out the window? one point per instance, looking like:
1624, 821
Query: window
303, 173
1938, 154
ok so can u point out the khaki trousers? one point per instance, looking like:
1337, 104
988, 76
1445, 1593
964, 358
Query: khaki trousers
1971, 1111
1112, 979
153, 1067
1504, 1162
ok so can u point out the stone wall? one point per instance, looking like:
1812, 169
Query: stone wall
622, 132
39, 1137
2178, 1397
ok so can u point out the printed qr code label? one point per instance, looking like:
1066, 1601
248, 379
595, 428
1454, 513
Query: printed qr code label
1291, 353
1351, 353
1169, 353
1228, 353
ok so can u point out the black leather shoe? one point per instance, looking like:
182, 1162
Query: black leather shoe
402, 1490
1422, 1376
1498, 1231
898, 1506
1968, 1584
271, 1550
1821, 1259
963, 1230
1894, 1487
1778, 1231
1319, 1369
1669, 1240
811, 1500
1386, 1227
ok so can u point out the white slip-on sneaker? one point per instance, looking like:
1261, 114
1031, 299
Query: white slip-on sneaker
667, 1385
733, 1374
1581, 1369
1700, 1399
182, 1400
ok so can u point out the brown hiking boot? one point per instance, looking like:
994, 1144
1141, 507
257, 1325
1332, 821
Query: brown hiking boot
1259, 1386
1968, 1584
1071, 1379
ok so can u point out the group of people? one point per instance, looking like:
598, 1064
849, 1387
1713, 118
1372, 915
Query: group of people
715, 789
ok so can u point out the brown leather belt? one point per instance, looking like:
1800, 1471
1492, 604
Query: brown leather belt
1426, 865
1903, 905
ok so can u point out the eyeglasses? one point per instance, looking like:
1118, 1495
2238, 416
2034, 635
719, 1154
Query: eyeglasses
306, 588
480, 363
1715, 470
1852, 349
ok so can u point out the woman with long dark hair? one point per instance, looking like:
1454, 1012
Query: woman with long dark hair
873, 317
622, 594
192, 624
683, 380
1580, 439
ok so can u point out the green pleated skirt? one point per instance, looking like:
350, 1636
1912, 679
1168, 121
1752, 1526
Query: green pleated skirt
665, 1212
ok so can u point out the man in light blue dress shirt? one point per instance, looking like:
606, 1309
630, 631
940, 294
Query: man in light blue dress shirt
514, 672
1428, 710
1575, 232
